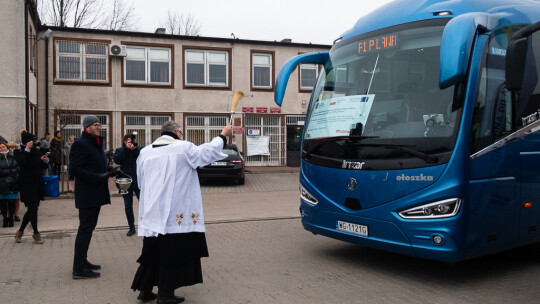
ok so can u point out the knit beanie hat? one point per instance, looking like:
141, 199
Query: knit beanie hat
89, 120
26, 137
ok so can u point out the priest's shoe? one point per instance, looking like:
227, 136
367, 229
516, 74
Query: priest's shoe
86, 274
146, 296
170, 300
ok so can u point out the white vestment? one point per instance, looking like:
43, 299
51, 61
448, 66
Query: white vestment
170, 198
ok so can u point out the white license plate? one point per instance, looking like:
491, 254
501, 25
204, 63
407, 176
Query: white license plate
352, 228
219, 163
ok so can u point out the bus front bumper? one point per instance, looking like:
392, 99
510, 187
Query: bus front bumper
417, 241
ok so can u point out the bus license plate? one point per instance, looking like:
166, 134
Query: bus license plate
353, 228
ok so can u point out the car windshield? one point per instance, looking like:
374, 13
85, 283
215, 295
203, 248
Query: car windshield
381, 91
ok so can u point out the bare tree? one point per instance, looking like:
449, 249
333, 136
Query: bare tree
65, 114
180, 24
121, 16
88, 13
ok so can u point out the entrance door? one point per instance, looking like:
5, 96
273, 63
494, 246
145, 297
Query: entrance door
294, 137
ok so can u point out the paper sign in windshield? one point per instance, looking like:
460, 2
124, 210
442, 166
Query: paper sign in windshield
336, 116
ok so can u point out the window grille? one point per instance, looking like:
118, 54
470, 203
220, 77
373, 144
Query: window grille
71, 124
201, 129
82, 61
267, 126
148, 127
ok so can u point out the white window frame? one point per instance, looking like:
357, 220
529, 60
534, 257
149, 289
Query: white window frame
206, 61
269, 66
82, 55
147, 66
307, 67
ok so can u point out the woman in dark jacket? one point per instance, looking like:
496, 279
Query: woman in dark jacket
9, 184
31, 163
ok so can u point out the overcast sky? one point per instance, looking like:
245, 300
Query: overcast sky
315, 21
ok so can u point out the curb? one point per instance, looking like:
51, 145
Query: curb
47, 233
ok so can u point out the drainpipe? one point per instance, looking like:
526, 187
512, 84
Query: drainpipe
26, 68
47, 84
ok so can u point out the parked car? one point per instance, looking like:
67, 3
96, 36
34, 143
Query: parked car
231, 167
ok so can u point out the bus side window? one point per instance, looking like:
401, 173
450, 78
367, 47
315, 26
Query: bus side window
528, 99
492, 117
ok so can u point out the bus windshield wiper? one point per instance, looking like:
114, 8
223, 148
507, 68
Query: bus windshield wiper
426, 157
321, 142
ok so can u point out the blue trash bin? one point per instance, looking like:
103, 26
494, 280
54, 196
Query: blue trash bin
51, 185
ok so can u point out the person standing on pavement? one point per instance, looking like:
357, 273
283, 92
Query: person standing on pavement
67, 146
88, 165
126, 157
67, 150
9, 184
56, 153
31, 163
13, 146
171, 216
45, 143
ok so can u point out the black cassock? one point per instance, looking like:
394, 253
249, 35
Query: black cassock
170, 261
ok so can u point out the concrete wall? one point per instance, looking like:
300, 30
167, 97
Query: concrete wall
12, 77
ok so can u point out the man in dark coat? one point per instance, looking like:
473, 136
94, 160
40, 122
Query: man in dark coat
87, 163
127, 158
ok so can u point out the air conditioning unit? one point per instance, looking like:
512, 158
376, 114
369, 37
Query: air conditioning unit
118, 50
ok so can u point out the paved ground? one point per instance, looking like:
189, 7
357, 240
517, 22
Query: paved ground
259, 253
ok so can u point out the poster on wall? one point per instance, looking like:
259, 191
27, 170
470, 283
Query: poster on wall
258, 145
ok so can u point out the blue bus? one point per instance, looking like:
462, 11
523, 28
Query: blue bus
420, 135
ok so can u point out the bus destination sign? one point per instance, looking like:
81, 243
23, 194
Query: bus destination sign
377, 44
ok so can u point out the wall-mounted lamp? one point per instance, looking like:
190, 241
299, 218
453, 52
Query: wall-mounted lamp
45, 35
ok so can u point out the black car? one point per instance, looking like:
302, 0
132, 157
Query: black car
231, 167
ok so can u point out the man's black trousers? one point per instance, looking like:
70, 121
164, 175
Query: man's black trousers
88, 218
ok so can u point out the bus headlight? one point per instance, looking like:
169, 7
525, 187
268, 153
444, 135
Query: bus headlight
307, 197
441, 209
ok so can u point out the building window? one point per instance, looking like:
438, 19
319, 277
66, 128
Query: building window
33, 52
82, 61
71, 124
308, 75
262, 70
206, 68
148, 127
147, 65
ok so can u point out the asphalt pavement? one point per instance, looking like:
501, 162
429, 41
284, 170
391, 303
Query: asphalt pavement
259, 253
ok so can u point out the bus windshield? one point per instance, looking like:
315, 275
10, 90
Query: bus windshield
377, 100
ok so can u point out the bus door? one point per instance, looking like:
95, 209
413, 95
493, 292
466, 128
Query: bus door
528, 114
494, 185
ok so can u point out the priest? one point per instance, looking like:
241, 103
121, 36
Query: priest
171, 218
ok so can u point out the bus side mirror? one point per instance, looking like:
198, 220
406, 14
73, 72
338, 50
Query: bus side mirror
516, 55
456, 46
289, 66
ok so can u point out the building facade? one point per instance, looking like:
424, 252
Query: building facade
136, 81
19, 73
